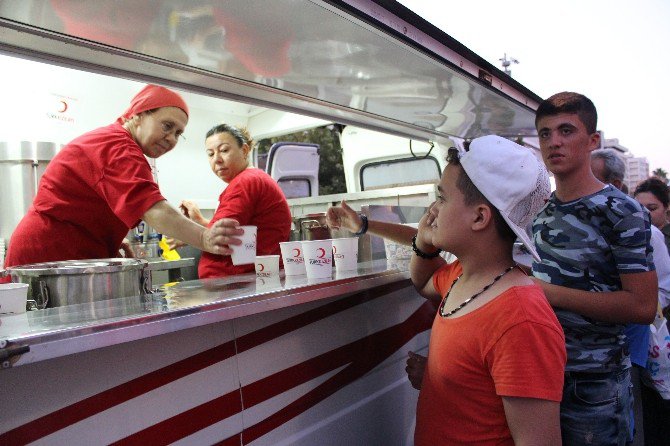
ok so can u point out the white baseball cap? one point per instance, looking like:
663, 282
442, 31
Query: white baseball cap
512, 178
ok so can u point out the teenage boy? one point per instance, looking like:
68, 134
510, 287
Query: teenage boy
494, 374
595, 269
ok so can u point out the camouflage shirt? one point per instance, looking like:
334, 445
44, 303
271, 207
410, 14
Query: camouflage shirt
585, 244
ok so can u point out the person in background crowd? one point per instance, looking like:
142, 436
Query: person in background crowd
494, 373
596, 270
654, 194
100, 185
252, 197
608, 167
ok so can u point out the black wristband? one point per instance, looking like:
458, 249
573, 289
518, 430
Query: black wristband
364, 227
422, 254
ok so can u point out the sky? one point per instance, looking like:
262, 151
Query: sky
616, 52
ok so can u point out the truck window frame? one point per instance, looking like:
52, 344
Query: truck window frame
396, 161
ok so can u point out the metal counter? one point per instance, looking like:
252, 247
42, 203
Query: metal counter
57, 332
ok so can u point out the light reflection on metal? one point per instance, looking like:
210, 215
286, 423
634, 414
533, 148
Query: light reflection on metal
315, 53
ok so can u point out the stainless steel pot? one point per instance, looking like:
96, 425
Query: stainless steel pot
314, 227
54, 284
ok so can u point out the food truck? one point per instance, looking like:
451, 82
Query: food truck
236, 360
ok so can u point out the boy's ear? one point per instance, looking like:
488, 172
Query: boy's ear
482, 217
594, 141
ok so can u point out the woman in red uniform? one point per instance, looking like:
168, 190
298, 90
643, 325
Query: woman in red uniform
100, 185
251, 198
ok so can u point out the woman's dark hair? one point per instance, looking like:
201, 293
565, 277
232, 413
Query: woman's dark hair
240, 134
569, 102
657, 187
472, 195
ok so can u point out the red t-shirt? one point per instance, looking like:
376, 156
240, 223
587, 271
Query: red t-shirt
252, 198
511, 346
92, 192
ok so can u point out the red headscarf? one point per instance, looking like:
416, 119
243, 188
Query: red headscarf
151, 97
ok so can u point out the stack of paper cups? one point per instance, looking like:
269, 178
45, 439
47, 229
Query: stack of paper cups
318, 258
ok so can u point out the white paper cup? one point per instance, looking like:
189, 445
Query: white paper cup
345, 253
292, 255
246, 252
318, 258
13, 298
267, 266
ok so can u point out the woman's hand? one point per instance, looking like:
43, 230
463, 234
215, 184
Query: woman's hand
192, 212
416, 365
343, 216
173, 243
126, 249
218, 238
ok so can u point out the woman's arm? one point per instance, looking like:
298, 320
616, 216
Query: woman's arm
217, 239
192, 212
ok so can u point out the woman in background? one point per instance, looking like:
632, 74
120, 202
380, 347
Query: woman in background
654, 194
252, 197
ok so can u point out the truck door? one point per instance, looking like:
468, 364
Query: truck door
295, 167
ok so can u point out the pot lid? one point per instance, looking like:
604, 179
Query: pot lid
86, 266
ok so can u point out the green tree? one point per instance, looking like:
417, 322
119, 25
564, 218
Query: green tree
661, 173
331, 170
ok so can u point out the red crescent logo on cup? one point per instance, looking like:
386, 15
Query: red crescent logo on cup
323, 253
334, 249
262, 267
297, 252
64, 107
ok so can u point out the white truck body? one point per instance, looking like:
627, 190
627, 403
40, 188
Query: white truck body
300, 364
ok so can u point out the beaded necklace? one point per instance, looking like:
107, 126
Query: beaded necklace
444, 301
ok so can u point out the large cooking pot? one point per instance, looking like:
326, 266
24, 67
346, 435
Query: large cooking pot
314, 227
54, 284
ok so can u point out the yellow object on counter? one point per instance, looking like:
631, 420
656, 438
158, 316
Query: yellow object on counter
168, 254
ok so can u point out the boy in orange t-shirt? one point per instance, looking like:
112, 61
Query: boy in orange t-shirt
497, 353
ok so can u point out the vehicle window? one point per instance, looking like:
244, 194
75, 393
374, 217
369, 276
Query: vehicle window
295, 188
404, 172
331, 170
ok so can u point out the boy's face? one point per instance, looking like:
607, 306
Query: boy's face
565, 144
449, 211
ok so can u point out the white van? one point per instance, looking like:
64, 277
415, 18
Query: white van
230, 363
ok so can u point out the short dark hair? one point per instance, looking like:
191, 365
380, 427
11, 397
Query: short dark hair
472, 195
240, 134
657, 187
569, 102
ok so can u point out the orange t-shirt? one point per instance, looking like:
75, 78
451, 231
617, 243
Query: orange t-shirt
512, 346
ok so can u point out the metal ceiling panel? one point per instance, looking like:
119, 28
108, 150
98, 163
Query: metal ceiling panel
304, 56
